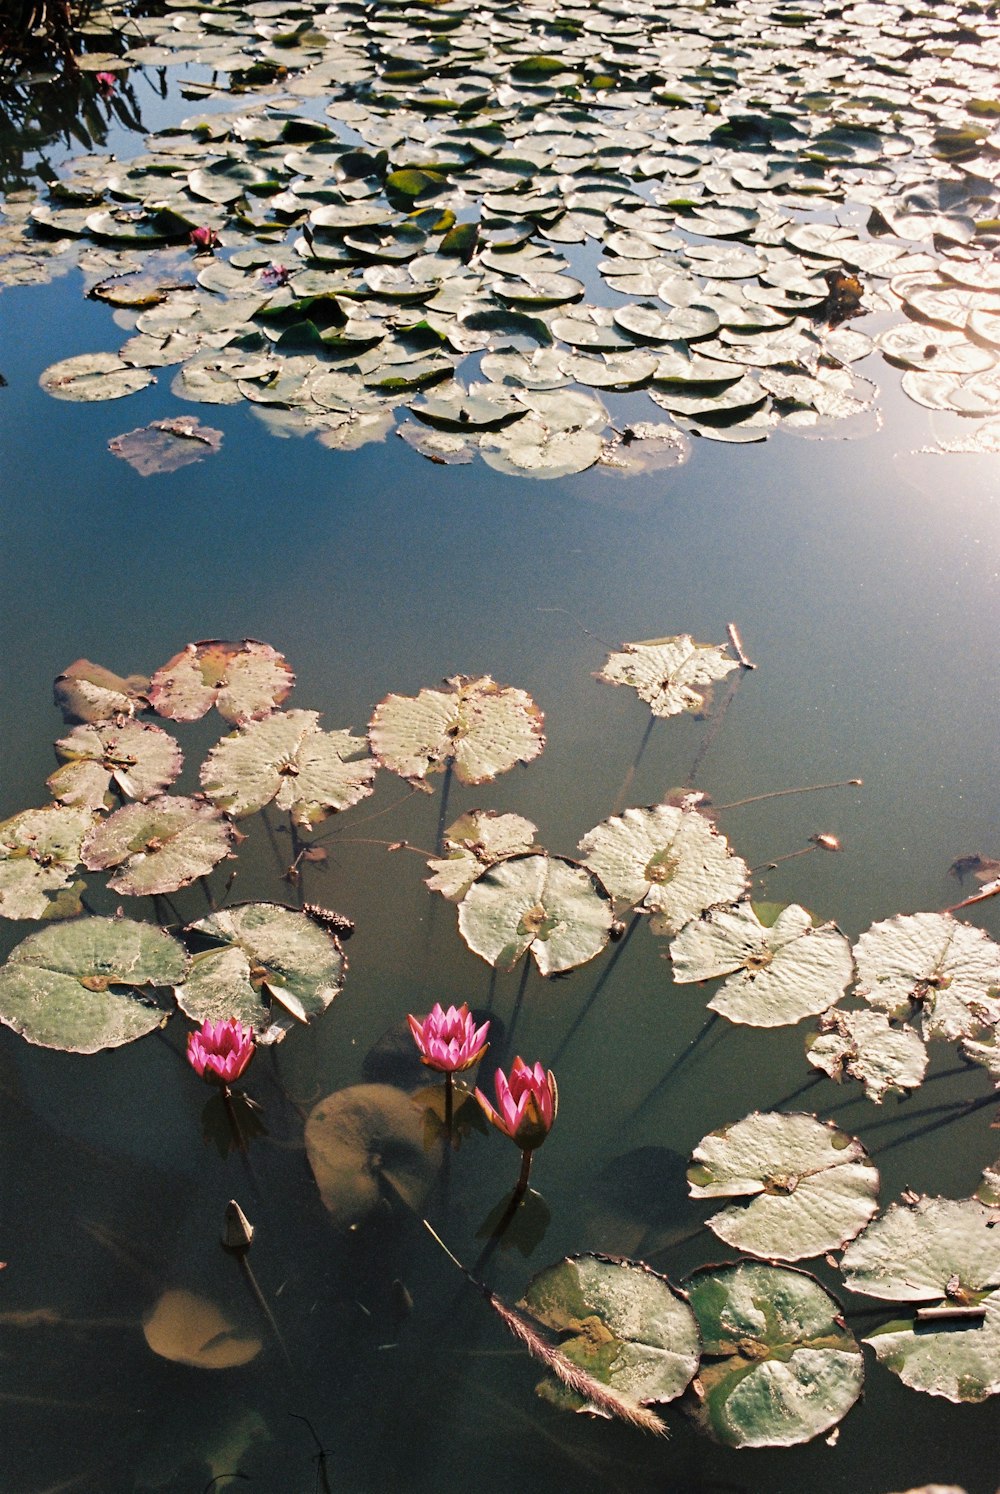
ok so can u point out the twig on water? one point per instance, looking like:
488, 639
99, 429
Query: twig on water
808, 788
737, 643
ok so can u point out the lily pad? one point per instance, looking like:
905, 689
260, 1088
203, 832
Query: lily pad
78, 986
244, 681
267, 965
288, 759
89, 692
809, 1186
472, 843
664, 672
166, 445
159, 845
190, 1329
547, 904
140, 760
928, 965
479, 727
863, 1045
621, 1322
778, 1365
40, 849
776, 975
94, 376
669, 862
366, 1149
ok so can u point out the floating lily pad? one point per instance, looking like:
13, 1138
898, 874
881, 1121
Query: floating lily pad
367, 1151
930, 966
140, 760
287, 758
79, 986
664, 672
779, 1367
244, 681
473, 842
159, 845
166, 445
478, 726
40, 849
267, 965
89, 692
810, 1187
669, 862
94, 376
863, 1045
547, 904
776, 975
621, 1322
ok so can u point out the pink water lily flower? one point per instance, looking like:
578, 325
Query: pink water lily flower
106, 82
449, 1041
274, 275
220, 1051
527, 1102
204, 239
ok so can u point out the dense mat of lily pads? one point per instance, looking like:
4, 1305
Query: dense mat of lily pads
496, 216
757, 1352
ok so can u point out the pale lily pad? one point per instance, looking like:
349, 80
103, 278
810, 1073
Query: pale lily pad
645, 446
288, 759
472, 843
77, 986
621, 1322
779, 1367
664, 672
669, 862
547, 904
160, 845
478, 726
809, 1186
776, 975
929, 964
139, 760
943, 1254
89, 692
94, 376
189, 1329
40, 849
533, 449
863, 1045
166, 445
267, 965
244, 681
366, 1149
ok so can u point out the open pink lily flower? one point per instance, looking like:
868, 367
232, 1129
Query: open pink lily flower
106, 83
220, 1051
449, 1041
527, 1102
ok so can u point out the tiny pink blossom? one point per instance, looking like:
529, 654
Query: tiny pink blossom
449, 1041
527, 1102
274, 275
220, 1051
204, 239
106, 83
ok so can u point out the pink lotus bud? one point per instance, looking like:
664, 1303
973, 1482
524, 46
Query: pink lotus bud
220, 1051
527, 1102
106, 83
204, 239
449, 1041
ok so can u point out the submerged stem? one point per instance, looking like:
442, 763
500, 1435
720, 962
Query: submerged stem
599, 985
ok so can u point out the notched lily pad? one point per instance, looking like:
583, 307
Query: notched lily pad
863, 1045
931, 966
94, 376
480, 727
665, 672
472, 843
244, 681
190, 1329
139, 760
160, 845
552, 906
40, 849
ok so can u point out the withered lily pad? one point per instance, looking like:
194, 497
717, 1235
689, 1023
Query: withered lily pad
776, 975
160, 845
669, 862
244, 681
366, 1149
267, 965
79, 986
809, 1186
778, 1365
89, 692
39, 851
621, 1322
547, 904
288, 759
140, 760
479, 726
166, 445
863, 1045
930, 965
473, 842
665, 672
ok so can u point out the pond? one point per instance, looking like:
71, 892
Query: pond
563, 348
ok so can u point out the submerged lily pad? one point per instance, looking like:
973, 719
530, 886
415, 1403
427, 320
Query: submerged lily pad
244, 681
189, 1329
665, 671
78, 986
267, 965
473, 842
777, 974
809, 1186
779, 1367
930, 965
159, 845
621, 1322
140, 760
367, 1150
478, 726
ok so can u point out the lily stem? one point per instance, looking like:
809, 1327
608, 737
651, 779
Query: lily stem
599, 985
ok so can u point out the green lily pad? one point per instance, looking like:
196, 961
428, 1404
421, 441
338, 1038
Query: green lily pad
478, 726
776, 975
474, 842
928, 965
78, 986
863, 1045
267, 965
40, 849
159, 845
286, 758
778, 1365
94, 376
244, 681
669, 862
665, 671
621, 1322
552, 906
139, 759
809, 1186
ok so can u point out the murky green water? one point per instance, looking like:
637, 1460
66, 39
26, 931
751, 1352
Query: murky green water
862, 575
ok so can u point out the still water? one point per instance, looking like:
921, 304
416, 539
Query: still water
862, 575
